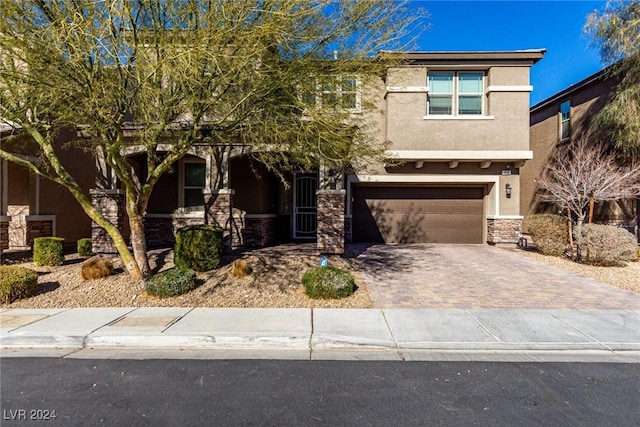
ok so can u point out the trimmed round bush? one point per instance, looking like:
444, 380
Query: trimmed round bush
549, 233
16, 283
328, 283
48, 251
198, 247
606, 244
96, 268
84, 247
168, 283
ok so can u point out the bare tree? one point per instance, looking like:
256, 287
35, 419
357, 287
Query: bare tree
581, 173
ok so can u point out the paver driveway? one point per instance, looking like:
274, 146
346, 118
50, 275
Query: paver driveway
477, 276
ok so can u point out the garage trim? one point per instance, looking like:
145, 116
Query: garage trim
493, 198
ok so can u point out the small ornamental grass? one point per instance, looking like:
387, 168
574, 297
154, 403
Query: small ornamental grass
17, 282
549, 233
198, 247
240, 268
168, 283
328, 283
48, 251
96, 268
606, 244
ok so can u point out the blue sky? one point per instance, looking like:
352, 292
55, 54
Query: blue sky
511, 25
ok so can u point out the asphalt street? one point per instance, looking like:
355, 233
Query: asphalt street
81, 392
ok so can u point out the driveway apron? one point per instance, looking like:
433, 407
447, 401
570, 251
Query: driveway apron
440, 276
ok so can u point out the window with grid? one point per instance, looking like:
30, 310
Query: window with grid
342, 93
455, 93
193, 184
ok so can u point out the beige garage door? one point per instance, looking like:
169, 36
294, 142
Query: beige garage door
388, 214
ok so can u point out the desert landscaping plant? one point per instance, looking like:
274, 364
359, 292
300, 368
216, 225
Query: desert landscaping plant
549, 233
84, 247
615, 28
96, 268
328, 282
198, 247
17, 282
606, 244
48, 251
168, 283
240, 268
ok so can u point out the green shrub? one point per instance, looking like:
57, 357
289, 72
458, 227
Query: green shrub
84, 247
198, 247
606, 244
48, 251
96, 268
549, 233
328, 282
168, 283
17, 282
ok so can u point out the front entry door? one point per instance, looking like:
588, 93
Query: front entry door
305, 208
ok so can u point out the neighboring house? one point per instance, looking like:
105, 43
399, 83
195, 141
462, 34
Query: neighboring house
457, 124
560, 119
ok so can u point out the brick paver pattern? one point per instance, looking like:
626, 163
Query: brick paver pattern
440, 276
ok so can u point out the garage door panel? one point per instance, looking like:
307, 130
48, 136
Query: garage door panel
418, 214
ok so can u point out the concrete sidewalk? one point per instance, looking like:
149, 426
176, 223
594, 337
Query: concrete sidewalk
323, 334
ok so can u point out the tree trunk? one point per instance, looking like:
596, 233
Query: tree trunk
128, 260
570, 226
592, 202
138, 241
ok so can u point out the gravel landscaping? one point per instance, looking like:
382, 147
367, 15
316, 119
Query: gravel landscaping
275, 281
625, 277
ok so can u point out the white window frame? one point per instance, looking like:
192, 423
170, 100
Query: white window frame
319, 93
182, 187
455, 95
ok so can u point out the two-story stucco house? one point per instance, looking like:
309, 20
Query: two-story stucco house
457, 128
459, 132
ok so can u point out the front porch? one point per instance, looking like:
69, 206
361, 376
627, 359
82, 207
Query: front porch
254, 206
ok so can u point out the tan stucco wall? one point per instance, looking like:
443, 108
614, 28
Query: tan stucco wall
407, 128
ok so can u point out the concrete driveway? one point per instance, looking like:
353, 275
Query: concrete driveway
479, 277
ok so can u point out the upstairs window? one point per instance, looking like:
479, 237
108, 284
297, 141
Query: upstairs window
441, 93
565, 120
456, 93
340, 93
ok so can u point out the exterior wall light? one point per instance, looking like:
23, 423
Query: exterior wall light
507, 189
332, 178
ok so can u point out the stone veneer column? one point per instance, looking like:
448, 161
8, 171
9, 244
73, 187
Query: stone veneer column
331, 221
111, 204
218, 211
504, 230
4, 232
